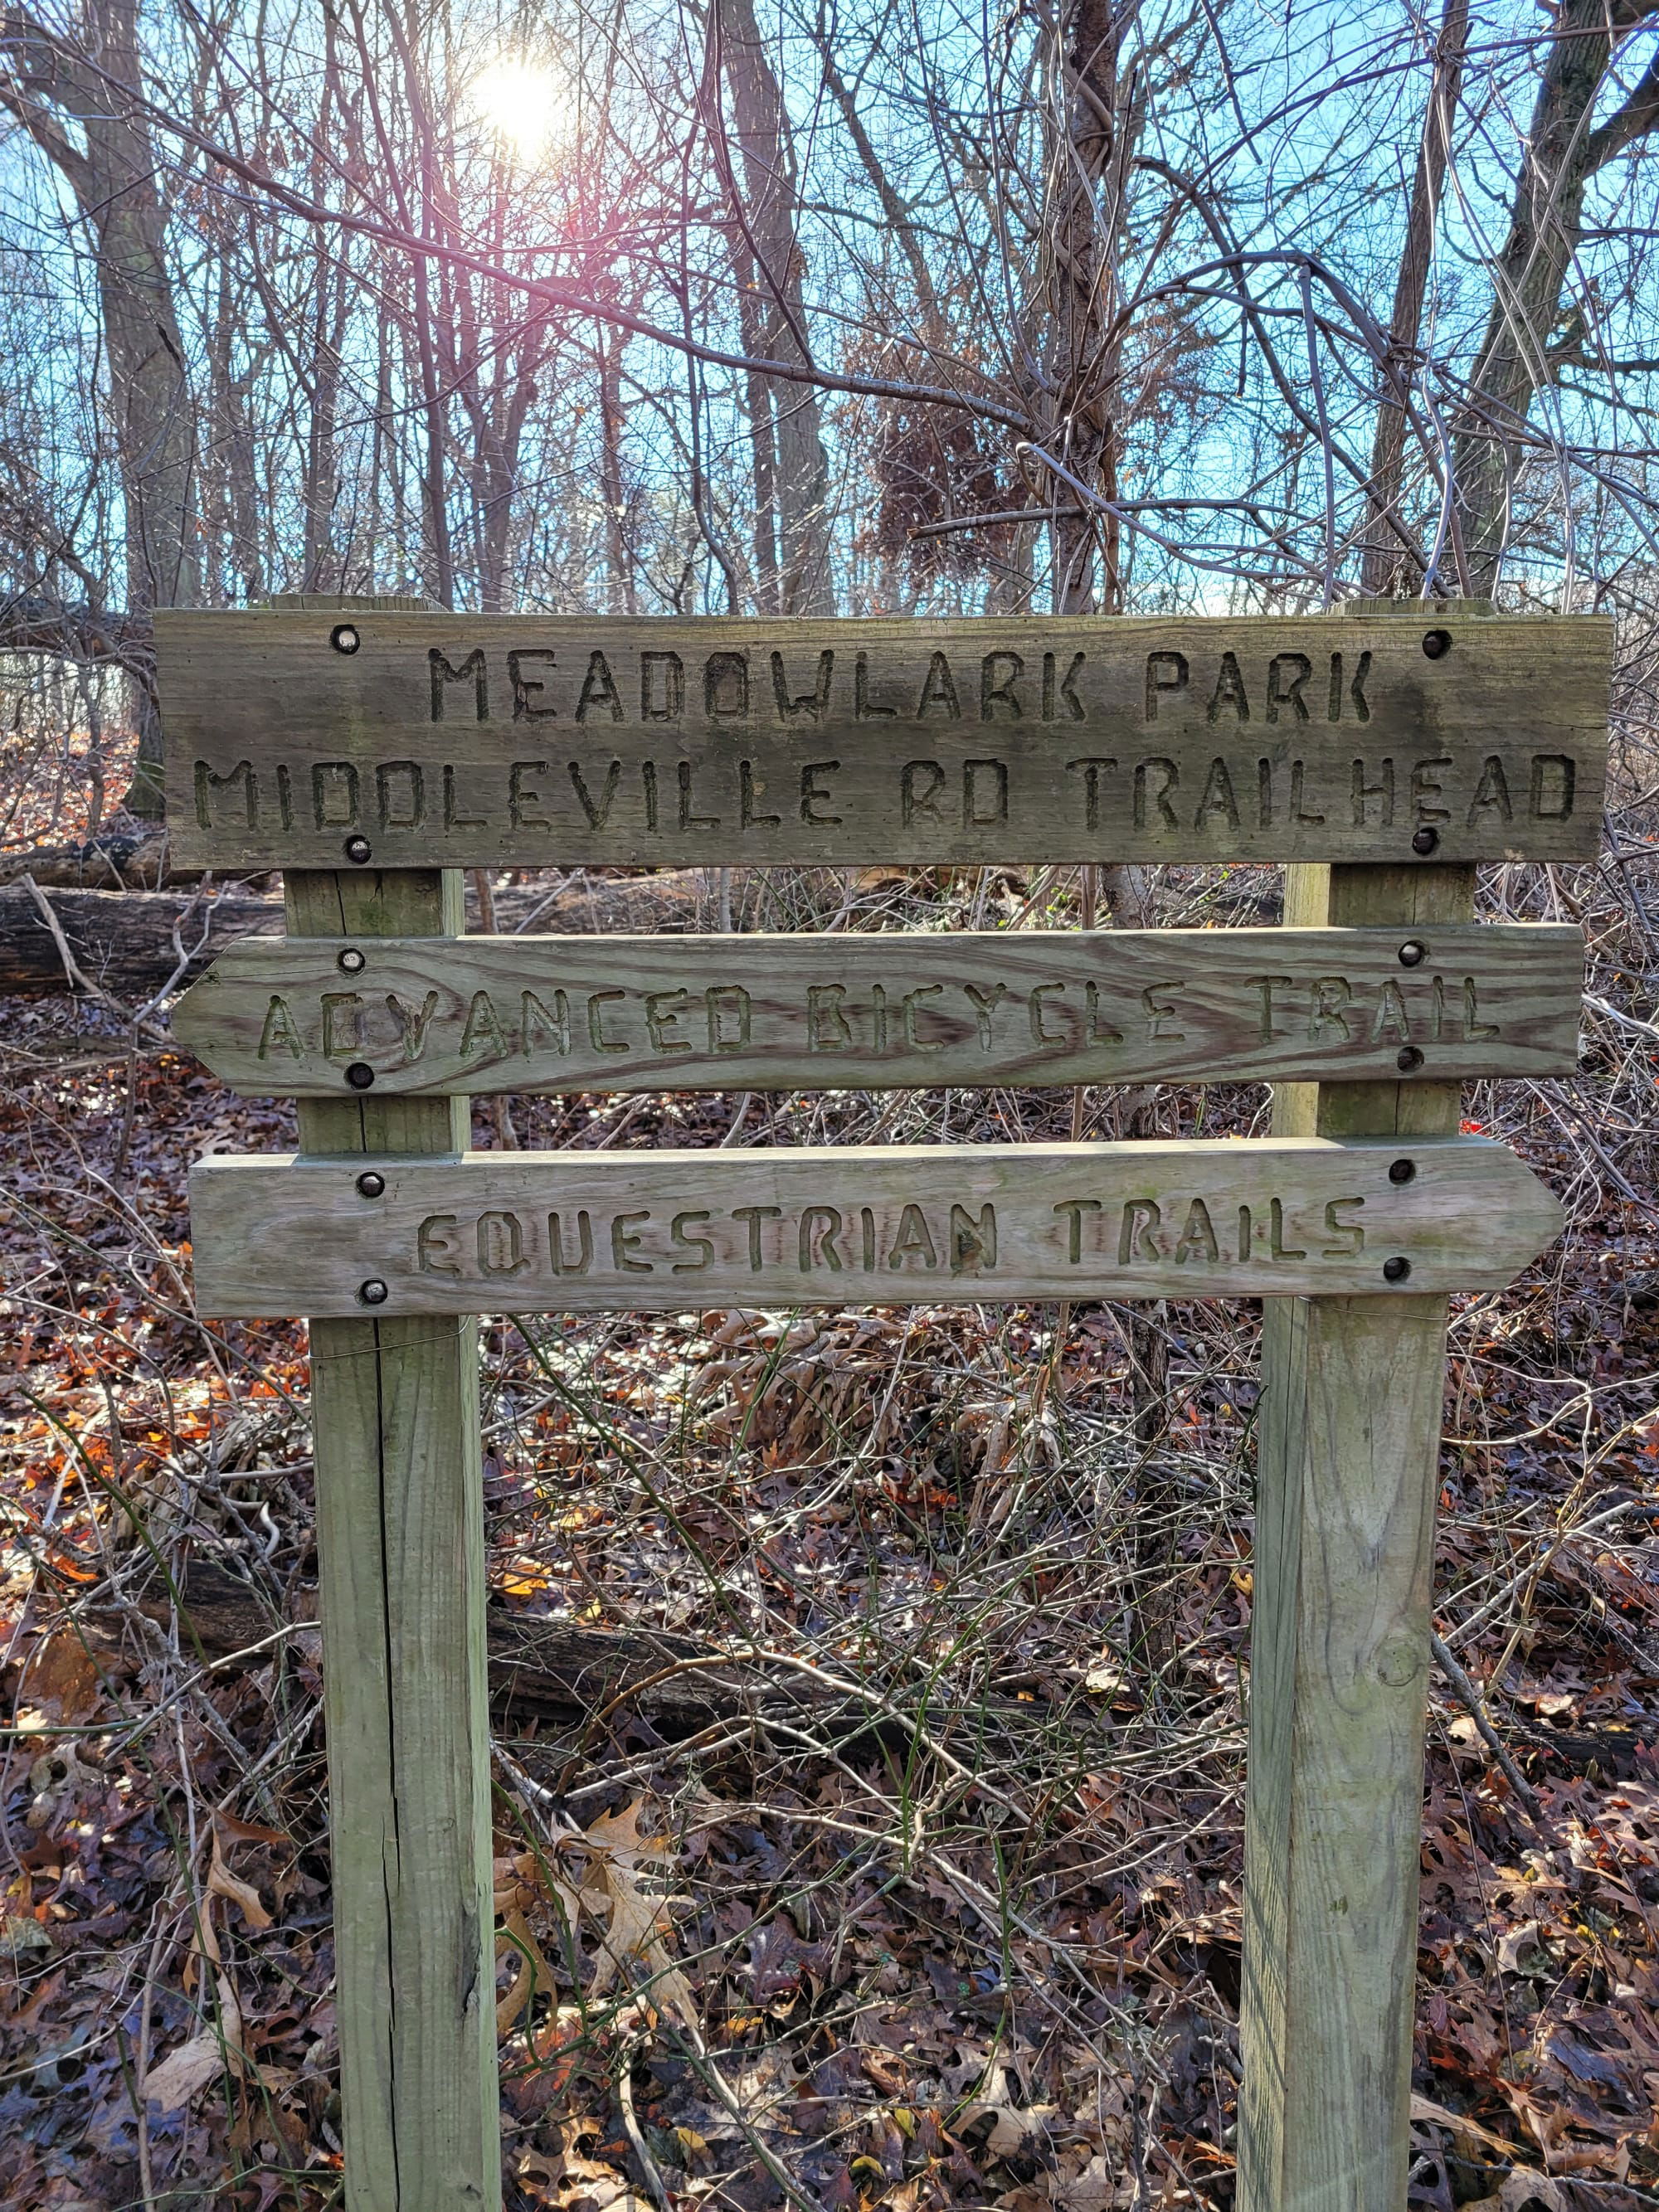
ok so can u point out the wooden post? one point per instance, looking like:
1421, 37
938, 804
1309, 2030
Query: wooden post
400, 1551
1348, 1480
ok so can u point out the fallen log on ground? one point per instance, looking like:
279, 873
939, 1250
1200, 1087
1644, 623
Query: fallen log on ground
551, 1670
127, 943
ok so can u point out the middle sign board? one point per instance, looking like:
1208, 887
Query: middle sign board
315, 1016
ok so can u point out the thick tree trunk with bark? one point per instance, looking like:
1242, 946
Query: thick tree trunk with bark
1382, 561
1518, 354
149, 399
768, 215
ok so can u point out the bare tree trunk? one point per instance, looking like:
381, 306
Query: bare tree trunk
1382, 561
1517, 356
763, 443
624, 585
149, 400
768, 213
1094, 111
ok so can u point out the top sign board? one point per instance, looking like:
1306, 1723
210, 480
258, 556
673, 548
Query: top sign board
413, 739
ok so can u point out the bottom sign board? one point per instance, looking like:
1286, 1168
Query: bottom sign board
662, 1231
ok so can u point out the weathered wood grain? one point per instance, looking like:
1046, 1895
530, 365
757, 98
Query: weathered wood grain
1348, 1477
473, 740
400, 1546
880, 1224
880, 1011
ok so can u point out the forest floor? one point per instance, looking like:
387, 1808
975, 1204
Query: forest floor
970, 1936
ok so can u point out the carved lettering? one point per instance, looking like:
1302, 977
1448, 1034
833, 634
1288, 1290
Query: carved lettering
624, 1243
1166, 676
280, 1032
1228, 692
388, 775
973, 1241
1298, 668
749, 788
1141, 1216
1074, 1209
1363, 793
662, 687
521, 796
981, 809
342, 1026
984, 1004
597, 810
1491, 793
527, 689
938, 688
501, 1243
865, 709
1549, 795
1170, 775
435, 1245
998, 672
725, 687
1093, 768
596, 1037
598, 691
688, 820
754, 1216
471, 669
1426, 788
412, 1023
482, 1033
555, 1253
1197, 1235
683, 1242
535, 1022
1352, 1235
207, 783
808, 706
913, 802
814, 794
822, 1224
330, 779
914, 1241
664, 1011
1161, 1010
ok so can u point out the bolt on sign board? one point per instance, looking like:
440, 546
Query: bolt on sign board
660, 1231
310, 1017
414, 739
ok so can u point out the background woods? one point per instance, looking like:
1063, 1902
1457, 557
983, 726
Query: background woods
868, 1687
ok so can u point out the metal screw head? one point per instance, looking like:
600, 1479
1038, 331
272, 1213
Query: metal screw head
374, 1292
1403, 1171
1436, 644
1408, 1060
370, 1185
344, 637
358, 850
1424, 840
353, 962
1413, 953
360, 1075
1394, 1271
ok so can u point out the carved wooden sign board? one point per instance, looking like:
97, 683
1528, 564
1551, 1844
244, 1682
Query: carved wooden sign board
318, 1017
661, 1231
416, 740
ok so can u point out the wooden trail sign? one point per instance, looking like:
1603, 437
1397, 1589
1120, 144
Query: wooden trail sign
547, 1232
313, 1017
403, 739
